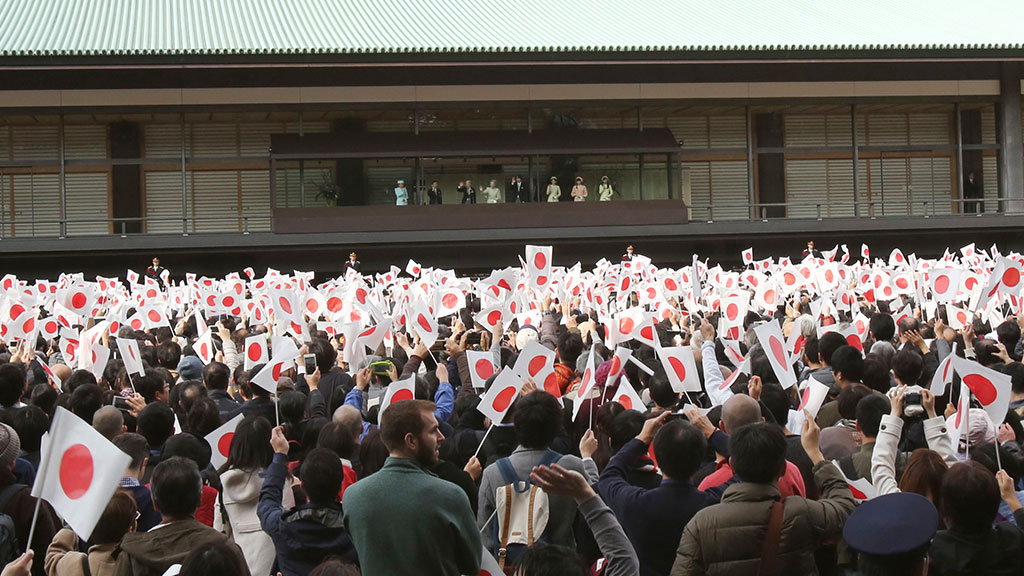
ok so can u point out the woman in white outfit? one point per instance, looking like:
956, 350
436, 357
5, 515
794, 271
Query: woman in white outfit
492, 193
605, 190
242, 477
554, 192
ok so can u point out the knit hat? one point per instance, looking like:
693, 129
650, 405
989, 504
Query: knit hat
10, 445
190, 368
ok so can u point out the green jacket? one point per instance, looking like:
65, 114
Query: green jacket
405, 520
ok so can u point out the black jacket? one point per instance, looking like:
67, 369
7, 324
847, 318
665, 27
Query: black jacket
999, 550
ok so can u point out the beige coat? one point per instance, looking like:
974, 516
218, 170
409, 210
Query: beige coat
726, 539
64, 559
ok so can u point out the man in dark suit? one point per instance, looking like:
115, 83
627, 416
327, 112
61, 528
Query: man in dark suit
973, 191
156, 272
518, 191
434, 193
468, 192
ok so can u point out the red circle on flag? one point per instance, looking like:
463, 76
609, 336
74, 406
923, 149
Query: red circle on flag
542, 280
942, 284
285, 306
962, 317
151, 293
536, 365
76, 470
449, 300
857, 493
732, 310
671, 285
312, 305
504, 398
769, 297
403, 394
361, 295
970, 283
626, 401
424, 323
205, 350
29, 326
854, 340
982, 388
805, 398
224, 444
616, 366
678, 367
368, 332
276, 371
484, 368
551, 385
902, 283
647, 332
625, 285
78, 300
51, 327
229, 301
137, 324
584, 382
154, 315
829, 276
789, 279
334, 304
17, 310
651, 292
494, 317
778, 351
1011, 277
539, 261
626, 326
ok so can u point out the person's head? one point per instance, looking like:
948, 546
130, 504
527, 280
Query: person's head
970, 497
250, 448
738, 411
828, 344
579, 179
776, 400
907, 366
79, 377
152, 387
86, 400
168, 355
352, 256
177, 487
662, 393
203, 417
604, 179
882, 327
372, 453
875, 375
554, 180
189, 446
757, 452
136, 447
810, 244
401, 183
156, 423
190, 368
908, 523
13, 383
623, 427
433, 183
216, 376
336, 566
537, 419
550, 560
326, 355
213, 559
322, 473
349, 417
410, 430
118, 519
1016, 372
30, 422
156, 262
907, 324
847, 365
923, 475
10, 446
1008, 333
848, 399
679, 448
108, 421
869, 412
629, 249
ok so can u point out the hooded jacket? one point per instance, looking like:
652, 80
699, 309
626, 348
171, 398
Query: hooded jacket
152, 553
239, 498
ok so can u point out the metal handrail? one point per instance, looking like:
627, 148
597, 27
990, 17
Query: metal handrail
188, 225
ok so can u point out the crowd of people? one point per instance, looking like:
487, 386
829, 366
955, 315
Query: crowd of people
515, 191
352, 426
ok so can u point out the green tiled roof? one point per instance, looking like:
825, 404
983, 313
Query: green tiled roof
82, 28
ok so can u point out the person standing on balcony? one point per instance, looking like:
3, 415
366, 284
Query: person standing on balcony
605, 190
352, 263
492, 193
973, 191
401, 194
554, 191
579, 191
519, 191
810, 251
434, 193
468, 192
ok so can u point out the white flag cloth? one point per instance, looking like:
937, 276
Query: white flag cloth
130, 355
770, 336
586, 386
79, 470
813, 397
256, 351
396, 392
681, 368
626, 395
220, 441
499, 398
991, 388
861, 488
285, 352
481, 367
204, 347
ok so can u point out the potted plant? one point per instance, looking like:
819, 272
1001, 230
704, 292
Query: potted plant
328, 189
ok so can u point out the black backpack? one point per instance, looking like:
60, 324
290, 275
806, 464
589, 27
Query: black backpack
9, 547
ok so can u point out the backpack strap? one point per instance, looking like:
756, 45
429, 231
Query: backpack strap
8, 493
846, 465
85, 565
509, 476
770, 546
529, 519
503, 544
550, 457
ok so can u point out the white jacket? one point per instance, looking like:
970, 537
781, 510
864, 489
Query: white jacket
883, 458
240, 496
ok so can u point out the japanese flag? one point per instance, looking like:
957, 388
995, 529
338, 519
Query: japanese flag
499, 397
681, 368
533, 361
413, 269
853, 338
256, 351
450, 302
626, 395
944, 284
769, 335
622, 356
69, 343
734, 310
538, 266
396, 392
490, 318
626, 325
861, 488
943, 374
129, 351
285, 352
1005, 277
220, 441
372, 336
583, 393
813, 397
79, 299
958, 318
204, 347
423, 323
55, 381
748, 256
958, 426
991, 388
865, 254
48, 327
481, 367
79, 470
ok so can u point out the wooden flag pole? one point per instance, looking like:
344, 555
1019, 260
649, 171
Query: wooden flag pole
32, 529
484, 439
